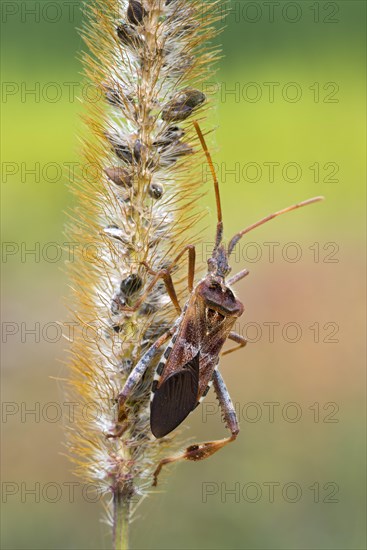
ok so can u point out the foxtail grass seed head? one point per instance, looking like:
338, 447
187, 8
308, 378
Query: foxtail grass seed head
148, 59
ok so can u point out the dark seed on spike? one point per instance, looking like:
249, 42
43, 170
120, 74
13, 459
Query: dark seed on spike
174, 132
135, 12
113, 97
117, 328
155, 190
131, 284
115, 232
176, 112
175, 67
181, 149
193, 98
148, 308
181, 30
126, 366
119, 176
118, 95
178, 150
127, 34
123, 152
169, 136
138, 147
182, 105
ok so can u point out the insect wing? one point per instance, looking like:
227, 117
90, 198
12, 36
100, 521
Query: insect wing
175, 398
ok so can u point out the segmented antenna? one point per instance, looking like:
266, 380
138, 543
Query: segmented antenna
219, 234
238, 236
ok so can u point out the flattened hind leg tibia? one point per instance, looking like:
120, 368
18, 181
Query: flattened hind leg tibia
201, 451
194, 452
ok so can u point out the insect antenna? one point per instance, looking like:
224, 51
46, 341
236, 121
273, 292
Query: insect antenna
219, 233
238, 236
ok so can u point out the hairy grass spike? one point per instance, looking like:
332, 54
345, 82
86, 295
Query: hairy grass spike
136, 199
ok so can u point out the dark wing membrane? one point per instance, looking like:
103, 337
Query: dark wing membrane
175, 399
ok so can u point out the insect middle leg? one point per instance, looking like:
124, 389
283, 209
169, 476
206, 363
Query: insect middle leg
190, 248
241, 341
204, 450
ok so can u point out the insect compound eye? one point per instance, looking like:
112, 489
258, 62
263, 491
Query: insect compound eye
135, 12
131, 285
214, 286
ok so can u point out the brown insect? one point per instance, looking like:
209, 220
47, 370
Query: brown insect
189, 363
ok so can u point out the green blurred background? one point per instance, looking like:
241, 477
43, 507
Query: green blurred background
313, 451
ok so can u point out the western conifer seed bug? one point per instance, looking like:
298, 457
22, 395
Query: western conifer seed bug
189, 363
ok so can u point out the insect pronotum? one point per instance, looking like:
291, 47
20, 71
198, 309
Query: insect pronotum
189, 362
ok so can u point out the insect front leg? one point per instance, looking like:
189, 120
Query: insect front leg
204, 450
166, 276
191, 269
163, 274
167, 279
241, 341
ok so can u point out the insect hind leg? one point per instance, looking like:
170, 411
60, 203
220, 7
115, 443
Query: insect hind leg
200, 451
